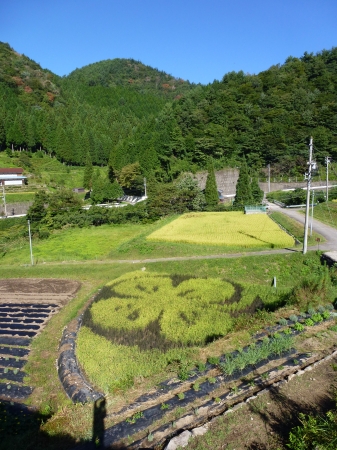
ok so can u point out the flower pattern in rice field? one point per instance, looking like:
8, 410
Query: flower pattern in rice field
153, 310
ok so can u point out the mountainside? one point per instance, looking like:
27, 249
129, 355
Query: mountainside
124, 112
92, 110
130, 73
268, 118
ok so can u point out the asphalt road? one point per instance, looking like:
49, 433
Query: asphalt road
329, 233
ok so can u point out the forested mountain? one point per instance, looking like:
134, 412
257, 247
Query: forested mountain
128, 72
124, 112
268, 118
92, 110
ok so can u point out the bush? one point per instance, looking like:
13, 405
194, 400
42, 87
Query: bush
315, 432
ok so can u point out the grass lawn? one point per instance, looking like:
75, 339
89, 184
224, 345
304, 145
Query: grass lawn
17, 197
327, 213
229, 228
295, 228
76, 244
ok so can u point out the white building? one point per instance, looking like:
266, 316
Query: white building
12, 176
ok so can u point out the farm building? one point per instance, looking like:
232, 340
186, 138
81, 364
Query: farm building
12, 176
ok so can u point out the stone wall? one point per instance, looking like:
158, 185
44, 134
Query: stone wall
226, 180
17, 208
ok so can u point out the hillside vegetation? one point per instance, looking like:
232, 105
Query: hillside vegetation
124, 112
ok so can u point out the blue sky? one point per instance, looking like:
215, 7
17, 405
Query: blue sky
196, 40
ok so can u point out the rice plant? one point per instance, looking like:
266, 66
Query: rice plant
229, 228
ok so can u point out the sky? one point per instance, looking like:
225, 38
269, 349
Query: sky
196, 40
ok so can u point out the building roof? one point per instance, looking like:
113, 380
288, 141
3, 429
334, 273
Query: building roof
12, 177
11, 170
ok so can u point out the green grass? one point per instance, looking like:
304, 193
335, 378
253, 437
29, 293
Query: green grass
74, 422
18, 197
75, 244
47, 173
133, 304
295, 228
327, 213
116, 242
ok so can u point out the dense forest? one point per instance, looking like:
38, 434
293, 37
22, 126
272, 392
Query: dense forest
123, 112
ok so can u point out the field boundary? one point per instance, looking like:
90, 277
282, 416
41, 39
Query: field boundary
297, 242
78, 389
212, 411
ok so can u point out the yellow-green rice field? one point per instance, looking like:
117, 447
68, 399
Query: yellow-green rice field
224, 228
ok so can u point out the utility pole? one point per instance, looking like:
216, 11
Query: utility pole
308, 175
312, 210
268, 177
4, 198
327, 162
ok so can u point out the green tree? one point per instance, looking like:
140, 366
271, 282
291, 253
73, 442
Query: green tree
243, 187
257, 192
88, 172
130, 177
211, 190
104, 190
190, 195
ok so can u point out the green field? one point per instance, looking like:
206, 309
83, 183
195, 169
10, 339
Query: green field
145, 320
18, 197
327, 213
295, 228
74, 422
128, 242
45, 172
228, 229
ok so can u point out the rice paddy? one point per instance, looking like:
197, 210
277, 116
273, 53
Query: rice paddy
142, 321
229, 228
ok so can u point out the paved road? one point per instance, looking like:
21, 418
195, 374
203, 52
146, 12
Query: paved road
329, 233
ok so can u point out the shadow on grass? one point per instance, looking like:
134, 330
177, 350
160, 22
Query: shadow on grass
285, 415
20, 428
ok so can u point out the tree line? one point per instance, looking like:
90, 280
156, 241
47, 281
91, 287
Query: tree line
122, 112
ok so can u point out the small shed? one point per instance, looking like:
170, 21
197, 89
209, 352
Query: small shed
79, 190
